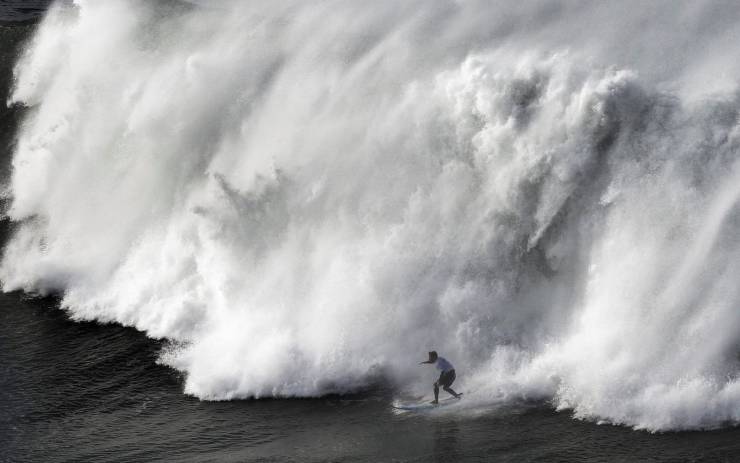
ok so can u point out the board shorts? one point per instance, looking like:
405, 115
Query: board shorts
446, 378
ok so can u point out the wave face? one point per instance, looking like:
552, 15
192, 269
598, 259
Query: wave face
304, 197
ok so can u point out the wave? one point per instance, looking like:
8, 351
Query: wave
306, 197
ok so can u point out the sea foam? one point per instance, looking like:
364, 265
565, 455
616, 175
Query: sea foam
306, 197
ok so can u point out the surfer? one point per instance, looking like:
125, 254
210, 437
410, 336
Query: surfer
446, 377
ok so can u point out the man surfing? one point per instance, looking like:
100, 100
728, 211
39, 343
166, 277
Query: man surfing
446, 377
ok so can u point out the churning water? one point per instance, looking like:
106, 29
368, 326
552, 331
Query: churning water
302, 198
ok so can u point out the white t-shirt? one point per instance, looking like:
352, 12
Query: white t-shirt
443, 365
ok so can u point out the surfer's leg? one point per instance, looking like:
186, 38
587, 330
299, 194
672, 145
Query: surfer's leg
450, 391
447, 380
436, 393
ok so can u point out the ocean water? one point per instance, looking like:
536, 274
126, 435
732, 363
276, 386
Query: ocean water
22, 10
87, 392
232, 230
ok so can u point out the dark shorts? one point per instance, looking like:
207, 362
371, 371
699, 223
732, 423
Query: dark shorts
446, 378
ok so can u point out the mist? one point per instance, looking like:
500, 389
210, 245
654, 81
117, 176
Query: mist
306, 198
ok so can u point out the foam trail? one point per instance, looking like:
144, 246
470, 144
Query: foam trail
307, 197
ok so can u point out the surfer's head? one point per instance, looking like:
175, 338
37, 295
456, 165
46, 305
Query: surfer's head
432, 356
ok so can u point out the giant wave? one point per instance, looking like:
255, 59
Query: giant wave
306, 196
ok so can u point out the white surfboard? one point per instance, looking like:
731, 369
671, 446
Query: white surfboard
423, 406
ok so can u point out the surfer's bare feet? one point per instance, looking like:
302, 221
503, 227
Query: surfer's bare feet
434, 402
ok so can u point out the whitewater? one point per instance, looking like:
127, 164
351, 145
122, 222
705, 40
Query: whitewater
304, 198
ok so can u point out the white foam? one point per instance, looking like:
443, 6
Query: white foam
303, 197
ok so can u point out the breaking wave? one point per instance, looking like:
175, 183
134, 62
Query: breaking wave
305, 197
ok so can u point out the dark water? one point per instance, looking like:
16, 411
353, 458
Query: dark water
22, 10
87, 392
84, 392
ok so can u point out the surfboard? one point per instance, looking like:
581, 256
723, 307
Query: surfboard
422, 406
